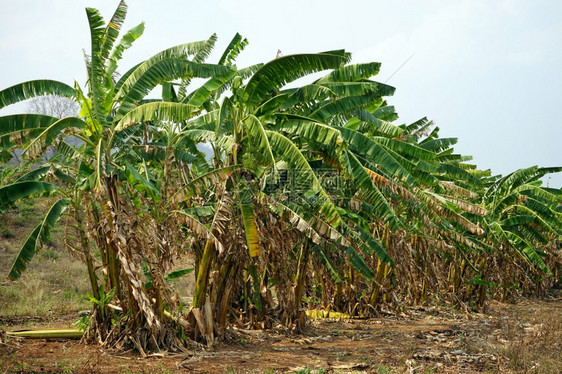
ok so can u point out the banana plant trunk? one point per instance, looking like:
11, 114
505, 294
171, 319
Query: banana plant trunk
300, 282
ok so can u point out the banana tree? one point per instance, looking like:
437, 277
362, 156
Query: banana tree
99, 182
231, 128
523, 224
313, 174
274, 131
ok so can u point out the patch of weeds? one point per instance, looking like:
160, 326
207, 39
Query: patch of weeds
6, 361
531, 341
28, 211
65, 366
69, 294
83, 322
22, 366
382, 369
7, 233
306, 370
27, 201
160, 370
364, 359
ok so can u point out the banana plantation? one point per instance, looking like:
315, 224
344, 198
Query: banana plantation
309, 195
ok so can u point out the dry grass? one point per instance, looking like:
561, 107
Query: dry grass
527, 336
53, 283
534, 346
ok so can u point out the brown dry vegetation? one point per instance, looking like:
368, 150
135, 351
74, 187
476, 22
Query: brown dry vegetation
524, 337
54, 282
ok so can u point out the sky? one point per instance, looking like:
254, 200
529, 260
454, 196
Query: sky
486, 72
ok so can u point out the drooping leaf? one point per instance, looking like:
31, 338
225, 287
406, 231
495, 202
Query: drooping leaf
314, 131
194, 225
378, 154
49, 134
377, 125
297, 221
358, 262
352, 73
343, 106
249, 218
208, 88
15, 191
35, 174
528, 251
259, 139
368, 243
178, 273
331, 268
283, 70
369, 190
35, 88
141, 183
289, 152
17, 130
205, 181
160, 111
39, 235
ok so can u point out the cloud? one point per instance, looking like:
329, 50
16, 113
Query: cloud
474, 35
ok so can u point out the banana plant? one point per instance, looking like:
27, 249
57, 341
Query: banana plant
273, 131
523, 215
97, 178
297, 174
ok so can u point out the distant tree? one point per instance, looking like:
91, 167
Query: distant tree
54, 106
58, 107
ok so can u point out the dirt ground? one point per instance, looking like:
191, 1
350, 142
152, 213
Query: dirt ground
523, 337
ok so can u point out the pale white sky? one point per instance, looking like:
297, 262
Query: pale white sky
487, 72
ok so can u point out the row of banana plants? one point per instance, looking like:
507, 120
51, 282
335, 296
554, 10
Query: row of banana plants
308, 195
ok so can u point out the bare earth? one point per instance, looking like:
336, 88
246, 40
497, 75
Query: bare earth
522, 337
